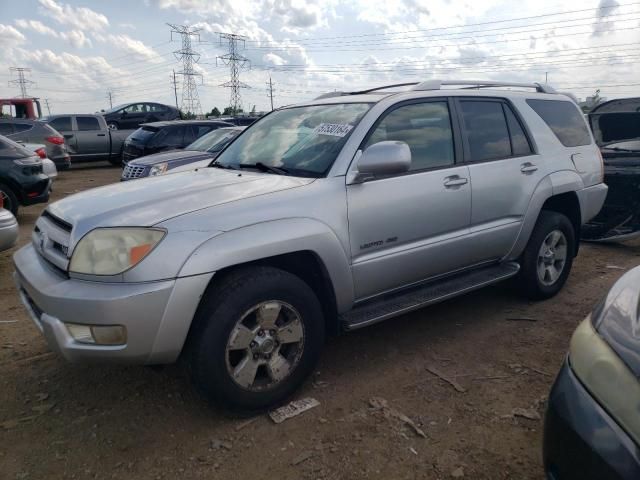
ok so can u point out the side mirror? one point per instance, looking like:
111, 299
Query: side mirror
381, 159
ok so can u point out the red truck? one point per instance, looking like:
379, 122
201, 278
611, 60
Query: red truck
21, 108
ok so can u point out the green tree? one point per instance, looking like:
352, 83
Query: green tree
215, 112
231, 111
187, 115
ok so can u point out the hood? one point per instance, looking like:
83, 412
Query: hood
617, 319
149, 201
174, 158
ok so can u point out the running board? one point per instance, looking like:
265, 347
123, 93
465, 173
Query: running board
379, 309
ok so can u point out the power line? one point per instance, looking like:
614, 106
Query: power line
21, 81
492, 22
190, 98
236, 62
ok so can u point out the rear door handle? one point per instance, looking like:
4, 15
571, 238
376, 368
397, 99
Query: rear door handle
68, 136
101, 134
455, 181
528, 168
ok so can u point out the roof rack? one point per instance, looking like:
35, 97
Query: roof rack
438, 84
472, 84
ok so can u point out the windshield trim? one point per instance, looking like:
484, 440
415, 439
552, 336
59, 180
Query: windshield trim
294, 172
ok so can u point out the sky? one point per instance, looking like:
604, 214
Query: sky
78, 51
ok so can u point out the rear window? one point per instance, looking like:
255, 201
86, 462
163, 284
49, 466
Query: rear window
9, 147
61, 124
564, 119
22, 127
87, 123
144, 133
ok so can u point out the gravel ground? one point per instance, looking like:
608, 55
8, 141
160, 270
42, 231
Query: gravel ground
92, 421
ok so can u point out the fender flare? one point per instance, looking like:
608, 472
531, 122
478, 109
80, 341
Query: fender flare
556, 183
278, 237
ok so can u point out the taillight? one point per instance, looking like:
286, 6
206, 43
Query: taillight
41, 152
1, 200
55, 140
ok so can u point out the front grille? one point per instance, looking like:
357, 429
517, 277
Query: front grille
133, 171
51, 238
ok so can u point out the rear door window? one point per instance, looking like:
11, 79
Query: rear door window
61, 124
486, 130
564, 119
87, 123
6, 129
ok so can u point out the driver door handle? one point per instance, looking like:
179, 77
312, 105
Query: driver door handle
455, 181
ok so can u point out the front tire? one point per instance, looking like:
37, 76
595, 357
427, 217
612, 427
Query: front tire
548, 257
8, 199
256, 338
113, 125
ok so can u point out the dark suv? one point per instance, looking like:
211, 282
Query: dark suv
159, 136
21, 179
132, 115
36, 131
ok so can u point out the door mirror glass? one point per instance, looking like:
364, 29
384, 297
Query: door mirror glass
389, 157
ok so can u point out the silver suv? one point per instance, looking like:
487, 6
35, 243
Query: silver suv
321, 217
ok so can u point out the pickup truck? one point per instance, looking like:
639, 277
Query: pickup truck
88, 137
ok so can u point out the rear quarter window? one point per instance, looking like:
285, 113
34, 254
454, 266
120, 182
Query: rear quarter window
564, 119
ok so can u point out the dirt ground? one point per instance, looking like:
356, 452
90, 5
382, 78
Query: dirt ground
91, 421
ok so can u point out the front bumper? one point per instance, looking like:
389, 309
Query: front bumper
157, 315
36, 192
581, 440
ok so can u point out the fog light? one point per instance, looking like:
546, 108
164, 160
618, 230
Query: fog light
98, 334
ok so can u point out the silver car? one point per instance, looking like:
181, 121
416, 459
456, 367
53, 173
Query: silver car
321, 217
8, 229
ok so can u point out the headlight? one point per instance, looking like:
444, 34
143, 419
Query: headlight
606, 376
158, 169
109, 251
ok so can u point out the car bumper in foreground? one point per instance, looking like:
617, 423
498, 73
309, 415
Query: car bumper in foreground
8, 229
156, 316
581, 440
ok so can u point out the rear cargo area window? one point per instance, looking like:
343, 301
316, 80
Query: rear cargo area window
564, 119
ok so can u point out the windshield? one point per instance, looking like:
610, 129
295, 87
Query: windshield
303, 141
213, 141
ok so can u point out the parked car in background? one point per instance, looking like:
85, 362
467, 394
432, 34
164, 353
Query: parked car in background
25, 108
239, 121
160, 136
22, 181
198, 154
132, 115
48, 167
592, 425
616, 128
35, 131
88, 138
325, 216
8, 228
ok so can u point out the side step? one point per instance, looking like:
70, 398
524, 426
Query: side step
387, 306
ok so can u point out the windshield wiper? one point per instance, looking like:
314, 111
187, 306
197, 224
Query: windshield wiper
265, 168
226, 167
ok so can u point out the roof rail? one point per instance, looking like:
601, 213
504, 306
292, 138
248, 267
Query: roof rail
470, 84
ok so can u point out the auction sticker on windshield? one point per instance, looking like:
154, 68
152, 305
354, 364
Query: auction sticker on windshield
333, 129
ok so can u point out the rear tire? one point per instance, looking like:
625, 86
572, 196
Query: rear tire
256, 337
548, 257
113, 125
9, 199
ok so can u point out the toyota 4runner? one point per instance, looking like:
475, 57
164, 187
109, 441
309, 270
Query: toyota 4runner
321, 217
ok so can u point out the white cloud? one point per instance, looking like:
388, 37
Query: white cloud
80, 18
77, 38
10, 36
36, 26
130, 45
603, 24
273, 59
